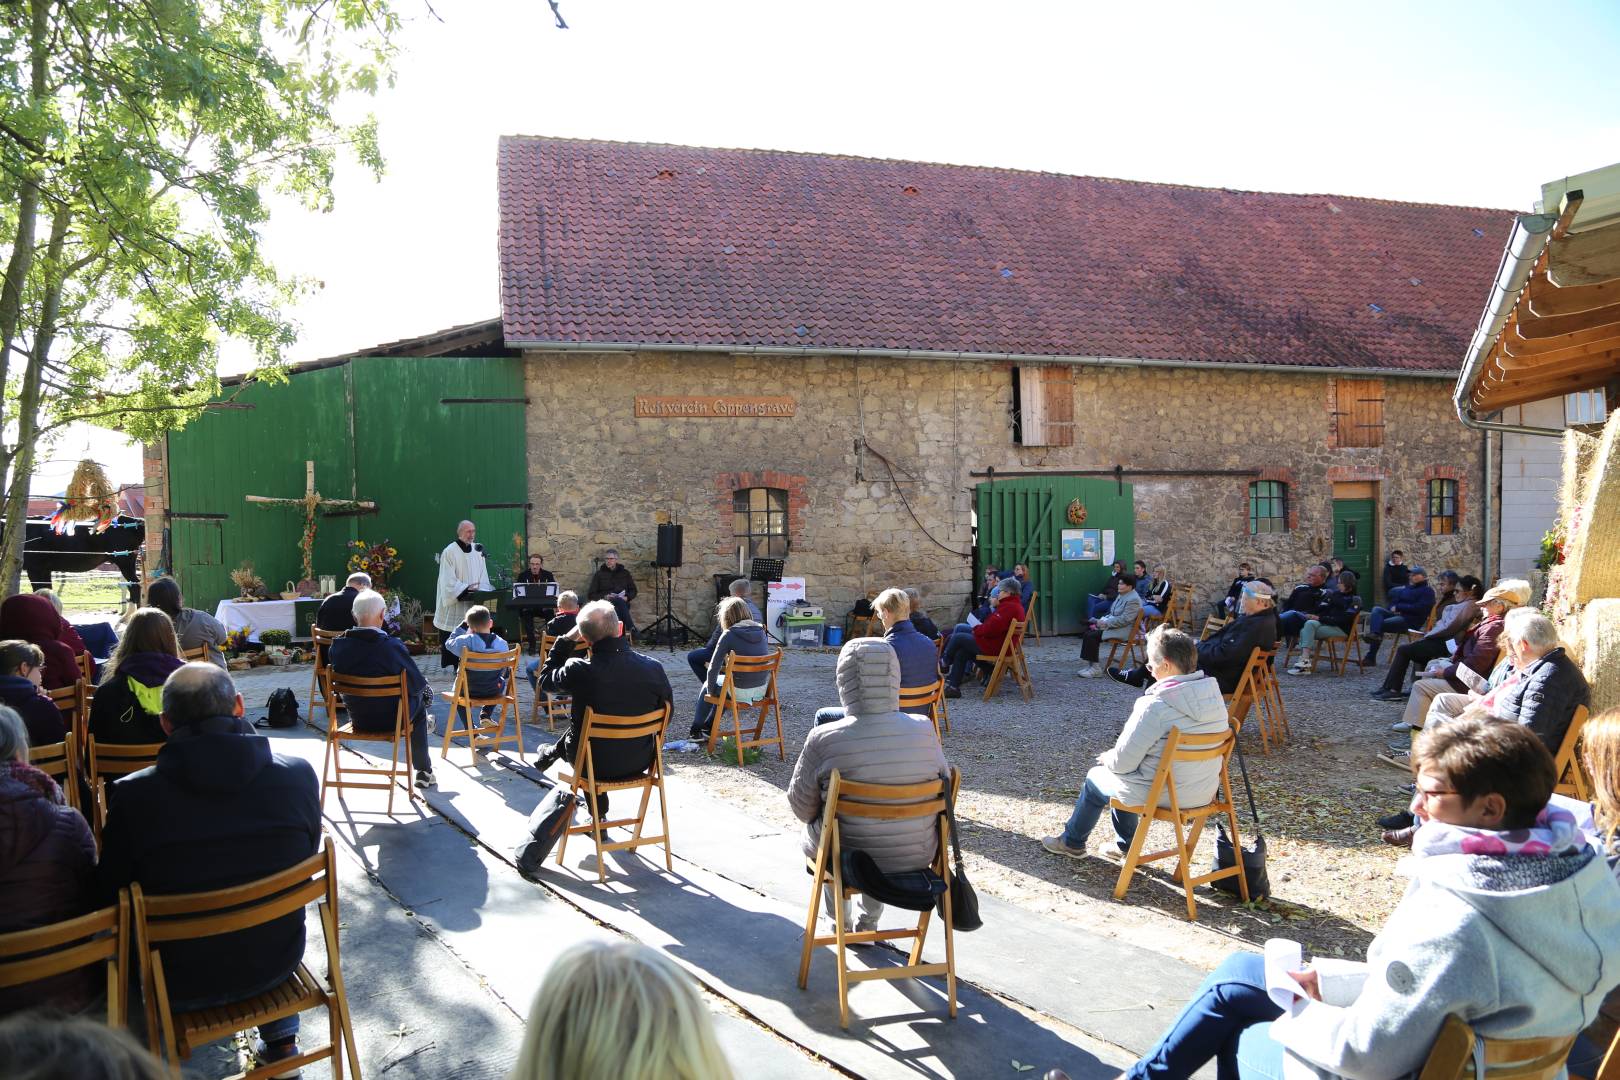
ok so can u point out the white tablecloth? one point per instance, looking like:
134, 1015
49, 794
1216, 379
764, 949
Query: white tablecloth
260, 615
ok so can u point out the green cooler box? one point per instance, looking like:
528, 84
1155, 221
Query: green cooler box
804, 630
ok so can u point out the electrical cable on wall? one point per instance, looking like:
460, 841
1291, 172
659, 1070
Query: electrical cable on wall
901, 491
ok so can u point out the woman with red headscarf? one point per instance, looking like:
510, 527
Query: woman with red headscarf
32, 617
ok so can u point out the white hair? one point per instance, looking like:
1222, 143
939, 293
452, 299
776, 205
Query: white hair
359, 579
465, 523
368, 605
738, 587
13, 736
598, 621
1531, 629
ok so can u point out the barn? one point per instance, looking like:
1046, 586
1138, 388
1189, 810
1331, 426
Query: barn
884, 372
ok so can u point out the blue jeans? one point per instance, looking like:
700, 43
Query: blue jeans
1289, 624
698, 659
531, 671
1149, 611
1099, 606
959, 654
1228, 1019
486, 711
1384, 621
1088, 808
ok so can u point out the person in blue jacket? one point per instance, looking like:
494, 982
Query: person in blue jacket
1409, 607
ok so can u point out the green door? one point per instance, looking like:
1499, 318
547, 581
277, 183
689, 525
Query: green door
1355, 542
1023, 521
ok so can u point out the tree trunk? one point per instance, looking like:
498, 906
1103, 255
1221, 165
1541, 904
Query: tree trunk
28, 402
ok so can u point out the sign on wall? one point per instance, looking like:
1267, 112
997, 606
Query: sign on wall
648, 407
1081, 545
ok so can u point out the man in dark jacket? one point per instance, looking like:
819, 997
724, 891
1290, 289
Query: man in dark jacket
1550, 686
22, 666
615, 680
612, 582
1302, 602
1225, 654
560, 624
367, 652
1409, 607
535, 574
218, 809
336, 613
1396, 572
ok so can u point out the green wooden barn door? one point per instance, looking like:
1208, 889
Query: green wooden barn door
1354, 541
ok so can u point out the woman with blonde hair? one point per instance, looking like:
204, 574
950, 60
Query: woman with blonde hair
622, 1010
1600, 753
739, 634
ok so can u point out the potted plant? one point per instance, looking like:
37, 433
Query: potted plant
277, 646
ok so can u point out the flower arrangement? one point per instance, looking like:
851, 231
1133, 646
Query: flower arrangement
245, 579
237, 640
381, 561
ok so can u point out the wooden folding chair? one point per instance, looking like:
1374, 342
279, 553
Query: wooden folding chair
726, 702
160, 920
74, 704
584, 781
87, 667
101, 937
318, 699
60, 761
867, 620
1029, 616
930, 698
199, 655
1337, 662
1132, 643
551, 705
890, 802
481, 735
1211, 625
1256, 689
1453, 1055
1010, 658
354, 688
108, 762
1180, 612
1184, 748
1401, 637
1572, 779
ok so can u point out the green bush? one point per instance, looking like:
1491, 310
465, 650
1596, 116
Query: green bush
726, 751
275, 637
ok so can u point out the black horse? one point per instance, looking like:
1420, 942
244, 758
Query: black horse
81, 548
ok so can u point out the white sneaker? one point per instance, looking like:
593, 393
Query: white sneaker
1400, 725
1090, 671
1298, 670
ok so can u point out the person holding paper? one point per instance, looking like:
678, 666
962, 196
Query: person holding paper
1511, 922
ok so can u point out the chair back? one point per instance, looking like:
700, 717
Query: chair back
1211, 625
187, 916
1182, 748
477, 661
608, 726
60, 761
101, 937
751, 665
1453, 1055
197, 655
87, 666
1567, 765
120, 759
369, 686
74, 704
919, 697
321, 639
890, 802
1029, 612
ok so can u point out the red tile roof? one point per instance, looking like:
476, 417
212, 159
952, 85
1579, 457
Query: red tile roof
631, 243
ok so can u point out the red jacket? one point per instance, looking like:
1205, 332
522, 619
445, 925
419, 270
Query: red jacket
34, 618
1477, 649
993, 631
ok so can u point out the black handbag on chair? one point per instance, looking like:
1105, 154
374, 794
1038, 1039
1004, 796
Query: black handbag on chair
964, 901
1254, 859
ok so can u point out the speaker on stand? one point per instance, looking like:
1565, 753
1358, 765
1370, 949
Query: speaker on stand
663, 631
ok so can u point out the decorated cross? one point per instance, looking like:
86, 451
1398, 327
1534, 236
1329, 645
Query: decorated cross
313, 505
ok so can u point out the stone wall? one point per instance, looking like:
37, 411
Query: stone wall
599, 476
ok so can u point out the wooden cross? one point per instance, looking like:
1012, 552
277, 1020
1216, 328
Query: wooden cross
312, 504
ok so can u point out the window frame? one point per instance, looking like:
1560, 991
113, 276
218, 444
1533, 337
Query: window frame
1436, 498
1583, 407
771, 513
1273, 494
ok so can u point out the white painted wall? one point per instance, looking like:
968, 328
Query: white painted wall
1531, 466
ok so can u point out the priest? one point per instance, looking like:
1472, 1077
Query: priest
462, 574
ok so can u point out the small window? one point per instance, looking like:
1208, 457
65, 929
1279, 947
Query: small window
1043, 405
1268, 506
1442, 507
759, 521
1359, 412
1585, 407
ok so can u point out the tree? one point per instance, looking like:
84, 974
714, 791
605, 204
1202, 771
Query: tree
137, 141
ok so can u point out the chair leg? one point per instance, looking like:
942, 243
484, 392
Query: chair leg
922, 935
838, 943
663, 812
1184, 863
596, 832
810, 927
1133, 854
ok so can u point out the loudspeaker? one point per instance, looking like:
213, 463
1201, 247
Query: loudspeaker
669, 546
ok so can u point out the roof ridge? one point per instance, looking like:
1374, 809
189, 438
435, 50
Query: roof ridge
1000, 169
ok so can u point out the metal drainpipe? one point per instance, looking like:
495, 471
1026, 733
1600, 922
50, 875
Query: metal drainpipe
1487, 549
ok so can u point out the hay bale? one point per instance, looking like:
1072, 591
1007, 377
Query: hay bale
1592, 536
1600, 655
1579, 448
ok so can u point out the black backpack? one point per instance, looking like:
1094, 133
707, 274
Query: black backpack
283, 709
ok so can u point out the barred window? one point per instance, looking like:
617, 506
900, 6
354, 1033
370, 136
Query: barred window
1442, 506
1268, 506
759, 521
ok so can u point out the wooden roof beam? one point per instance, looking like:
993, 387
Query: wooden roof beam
1515, 344
1584, 258
1535, 329
1598, 362
1547, 299
1489, 400
1545, 360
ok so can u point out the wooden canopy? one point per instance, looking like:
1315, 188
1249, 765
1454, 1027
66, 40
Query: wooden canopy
1563, 334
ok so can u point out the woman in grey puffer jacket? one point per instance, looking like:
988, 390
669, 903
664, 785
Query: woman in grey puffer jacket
875, 743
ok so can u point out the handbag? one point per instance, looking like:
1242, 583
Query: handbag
964, 901
550, 817
1254, 859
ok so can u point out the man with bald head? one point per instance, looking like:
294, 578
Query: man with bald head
462, 572
220, 808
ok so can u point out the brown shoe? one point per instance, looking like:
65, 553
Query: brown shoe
1399, 837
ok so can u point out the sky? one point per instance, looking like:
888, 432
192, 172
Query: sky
1471, 103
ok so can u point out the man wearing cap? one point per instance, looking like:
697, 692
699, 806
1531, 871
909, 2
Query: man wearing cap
1409, 607
1224, 655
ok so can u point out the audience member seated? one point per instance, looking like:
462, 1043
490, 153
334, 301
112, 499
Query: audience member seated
1181, 698
1228, 606
130, 697
1510, 921
875, 743
193, 629
1409, 607
614, 679
1477, 647
31, 617
919, 661
1446, 591
219, 809
610, 1007
1332, 619
1396, 572
336, 613
70, 633
57, 1046
699, 658
367, 652
1600, 751
479, 637
21, 667
1224, 654
559, 624
1140, 570
1115, 625
742, 634
992, 578
47, 867
967, 642
1337, 566
1157, 596
920, 621
1302, 602
1098, 603
1026, 587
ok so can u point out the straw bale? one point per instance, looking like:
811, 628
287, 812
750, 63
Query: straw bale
1579, 448
1600, 635
1592, 539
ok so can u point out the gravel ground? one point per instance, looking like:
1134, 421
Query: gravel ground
1023, 762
